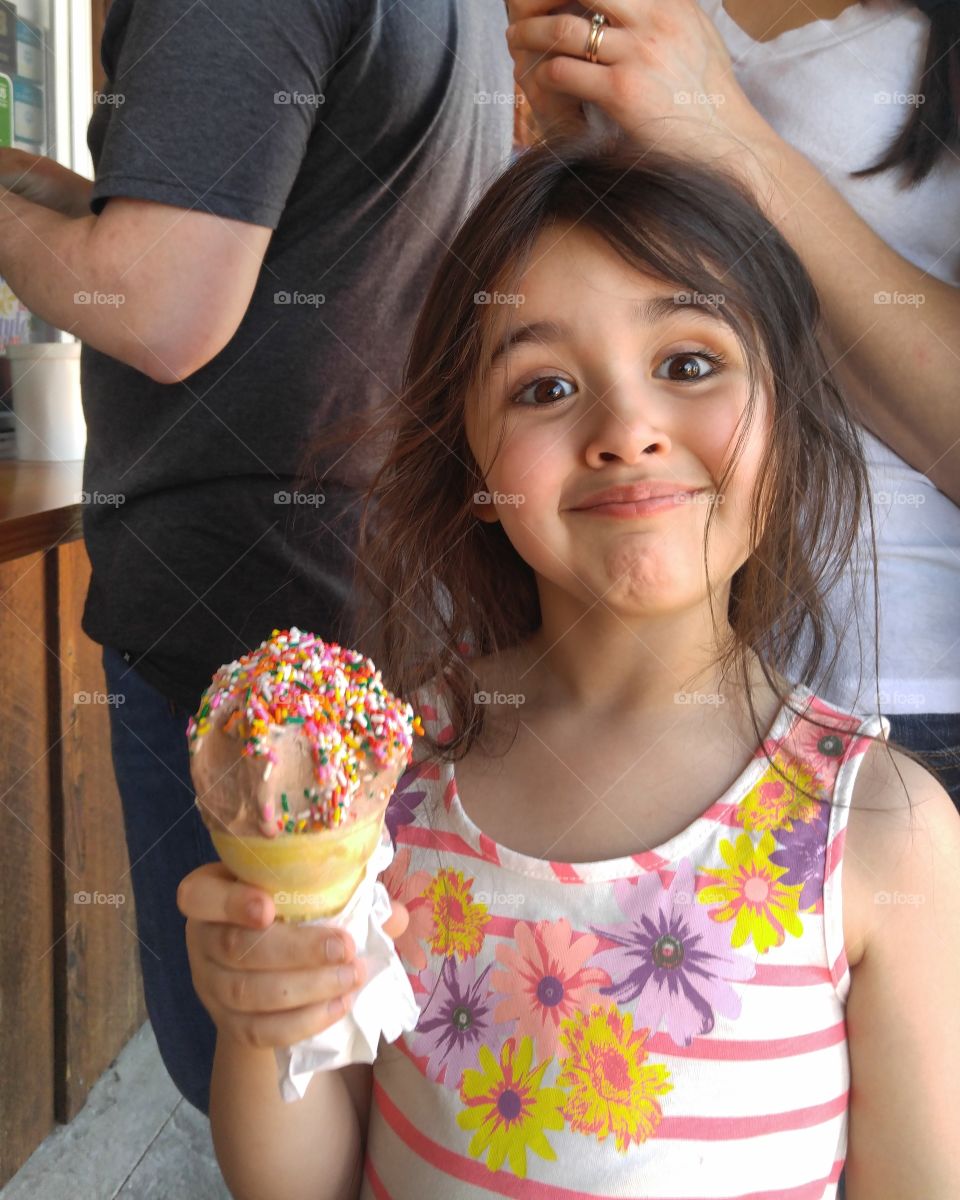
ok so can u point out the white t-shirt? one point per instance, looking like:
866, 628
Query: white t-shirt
839, 92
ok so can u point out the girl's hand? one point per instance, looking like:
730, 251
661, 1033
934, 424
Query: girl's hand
266, 983
657, 58
45, 181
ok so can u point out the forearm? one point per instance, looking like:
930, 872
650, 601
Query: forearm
894, 361
271, 1150
56, 267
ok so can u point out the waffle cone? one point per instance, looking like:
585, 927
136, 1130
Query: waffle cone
310, 875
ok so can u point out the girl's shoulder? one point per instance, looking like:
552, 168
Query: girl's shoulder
900, 820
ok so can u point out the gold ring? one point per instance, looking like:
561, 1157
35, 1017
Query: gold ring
595, 37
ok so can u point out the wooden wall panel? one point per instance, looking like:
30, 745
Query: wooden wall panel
102, 996
28, 928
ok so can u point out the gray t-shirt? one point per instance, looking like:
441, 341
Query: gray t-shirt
216, 106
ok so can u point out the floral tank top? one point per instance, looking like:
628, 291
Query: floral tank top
667, 1024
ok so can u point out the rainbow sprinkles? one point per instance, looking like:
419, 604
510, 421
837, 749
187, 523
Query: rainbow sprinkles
350, 721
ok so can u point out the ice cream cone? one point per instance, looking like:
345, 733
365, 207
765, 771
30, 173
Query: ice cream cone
294, 754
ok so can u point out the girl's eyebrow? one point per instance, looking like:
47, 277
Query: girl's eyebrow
645, 312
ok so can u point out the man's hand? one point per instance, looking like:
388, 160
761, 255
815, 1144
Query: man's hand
45, 182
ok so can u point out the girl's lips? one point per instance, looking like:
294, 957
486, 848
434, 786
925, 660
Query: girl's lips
637, 508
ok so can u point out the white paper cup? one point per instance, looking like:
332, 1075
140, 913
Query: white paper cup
45, 387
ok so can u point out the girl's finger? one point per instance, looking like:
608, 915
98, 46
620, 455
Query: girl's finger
623, 13
285, 1028
280, 991
281, 947
212, 893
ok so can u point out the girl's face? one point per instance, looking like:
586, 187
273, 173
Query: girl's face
630, 388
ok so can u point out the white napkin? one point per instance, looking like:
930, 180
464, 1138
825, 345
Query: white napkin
384, 1005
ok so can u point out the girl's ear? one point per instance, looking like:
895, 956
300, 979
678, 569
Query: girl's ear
483, 507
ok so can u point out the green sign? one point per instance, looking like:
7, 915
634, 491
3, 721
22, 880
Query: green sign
6, 111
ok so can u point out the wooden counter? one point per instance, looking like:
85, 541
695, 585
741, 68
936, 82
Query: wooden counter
70, 992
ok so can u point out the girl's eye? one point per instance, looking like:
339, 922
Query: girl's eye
539, 393
689, 371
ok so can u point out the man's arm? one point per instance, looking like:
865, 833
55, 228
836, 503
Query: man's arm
160, 288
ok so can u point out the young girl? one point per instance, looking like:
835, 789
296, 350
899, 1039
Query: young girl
677, 927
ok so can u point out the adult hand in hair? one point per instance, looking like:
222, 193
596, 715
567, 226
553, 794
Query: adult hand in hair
655, 61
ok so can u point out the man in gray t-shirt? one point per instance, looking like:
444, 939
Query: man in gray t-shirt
275, 183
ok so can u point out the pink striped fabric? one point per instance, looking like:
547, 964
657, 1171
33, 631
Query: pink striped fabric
668, 1024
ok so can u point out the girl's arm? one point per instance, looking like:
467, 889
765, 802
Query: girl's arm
267, 1149
268, 984
902, 1026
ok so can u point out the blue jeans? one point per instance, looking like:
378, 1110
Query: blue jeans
935, 737
166, 840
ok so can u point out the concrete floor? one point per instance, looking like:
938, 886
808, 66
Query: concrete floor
136, 1138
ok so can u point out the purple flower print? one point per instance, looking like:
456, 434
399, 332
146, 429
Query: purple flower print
405, 800
802, 851
671, 958
455, 1020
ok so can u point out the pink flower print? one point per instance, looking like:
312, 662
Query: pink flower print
544, 981
408, 890
671, 959
820, 749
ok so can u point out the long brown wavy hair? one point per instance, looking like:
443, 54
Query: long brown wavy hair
435, 585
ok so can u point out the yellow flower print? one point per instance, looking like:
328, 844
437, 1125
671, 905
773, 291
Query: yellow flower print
612, 1087
458, 923
508, 1108
775, 803
765, 910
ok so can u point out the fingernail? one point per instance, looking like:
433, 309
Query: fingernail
335, 950
255, 910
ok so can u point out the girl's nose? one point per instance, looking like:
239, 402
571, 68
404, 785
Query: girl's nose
623, 425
